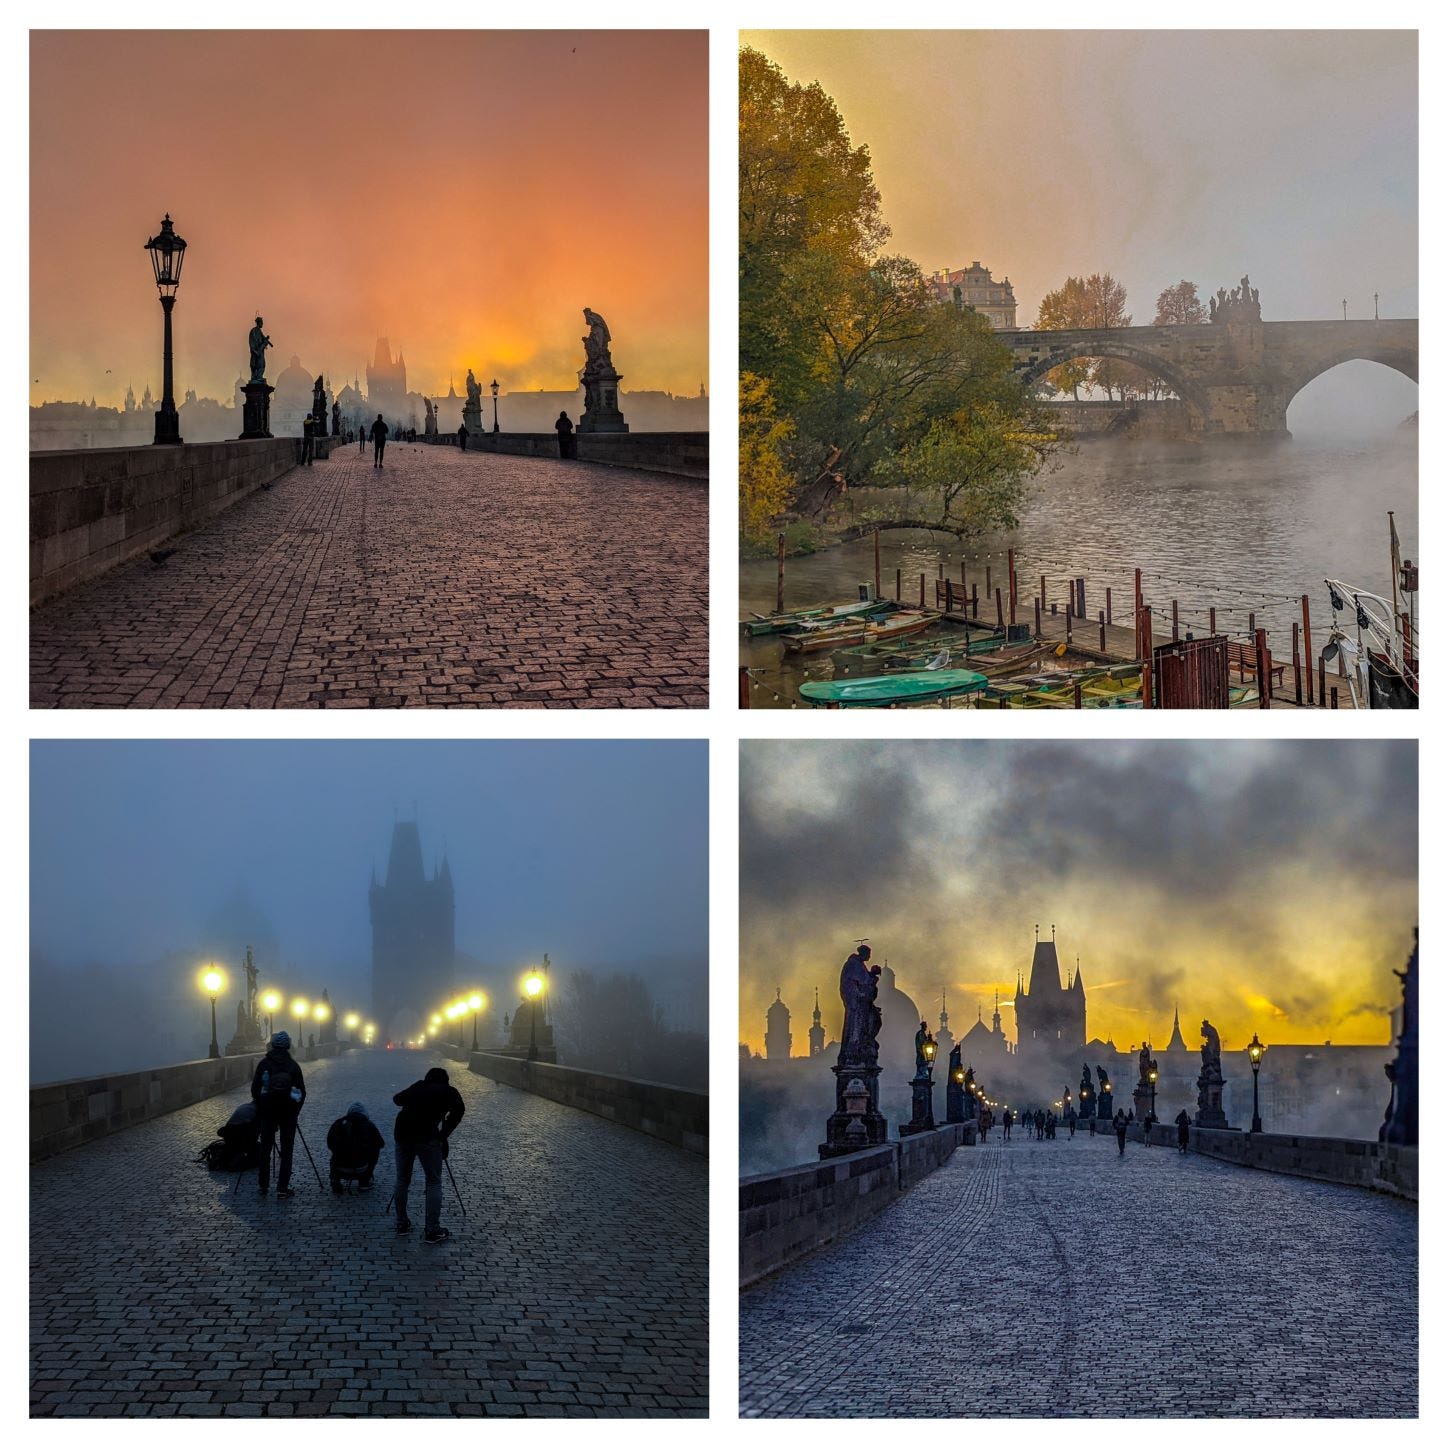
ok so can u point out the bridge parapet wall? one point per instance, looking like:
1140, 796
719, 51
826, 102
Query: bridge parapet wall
667, 1113
680, 454
784, 1216
66, 1114
1378, 1166
92, 508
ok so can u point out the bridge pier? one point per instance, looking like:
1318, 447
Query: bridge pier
1245, 412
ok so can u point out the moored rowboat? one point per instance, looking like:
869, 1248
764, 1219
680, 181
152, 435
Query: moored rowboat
881, 690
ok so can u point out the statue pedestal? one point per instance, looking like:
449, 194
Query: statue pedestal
473, 418
954, 1102
256, 410
319, 423
600, 404
922, 1107
1209, 1101
856, 1124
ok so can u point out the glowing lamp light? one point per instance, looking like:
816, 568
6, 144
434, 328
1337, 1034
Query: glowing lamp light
476, 1001
270, 1000
212, 981
533, 985
320, 1012
436, 1020
300, 1007
352, 1020
1255, 1049
929, 1049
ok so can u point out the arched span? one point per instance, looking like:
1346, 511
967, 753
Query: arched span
1031, 372
1399, 359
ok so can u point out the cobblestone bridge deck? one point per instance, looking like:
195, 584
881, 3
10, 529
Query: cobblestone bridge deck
575, 1286
1054, 1279
445, 579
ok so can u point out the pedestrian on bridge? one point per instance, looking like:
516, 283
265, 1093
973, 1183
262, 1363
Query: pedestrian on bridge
463, 437
361, 439
379, 440
431, 1110
1006, 1124
309, 433
279, 1091
1184, 1129
564, 429
1119, 1125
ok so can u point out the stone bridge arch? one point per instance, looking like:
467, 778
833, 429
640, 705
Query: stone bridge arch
1399, 359
1030, 373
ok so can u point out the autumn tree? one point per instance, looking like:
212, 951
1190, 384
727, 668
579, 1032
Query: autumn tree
1091, 303
764, 483
1179, 306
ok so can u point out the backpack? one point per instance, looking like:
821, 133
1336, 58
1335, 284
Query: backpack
227, 1156
280, 1078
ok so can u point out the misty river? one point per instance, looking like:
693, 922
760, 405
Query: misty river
1242, 529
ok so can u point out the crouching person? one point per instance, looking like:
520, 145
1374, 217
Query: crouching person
431, 1110
355, 1144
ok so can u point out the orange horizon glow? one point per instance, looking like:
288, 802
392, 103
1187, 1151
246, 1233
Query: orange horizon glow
464, 195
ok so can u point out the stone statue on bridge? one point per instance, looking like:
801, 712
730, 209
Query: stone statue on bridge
1103, 1095
1210, 1081
257, 342
923, 1039
600, 379
319, 407
598, 359
1241, 304
1400, 1120
429, 426
858, 1063
473, 407
1088, 1092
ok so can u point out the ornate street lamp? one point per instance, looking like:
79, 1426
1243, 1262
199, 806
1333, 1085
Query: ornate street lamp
1151, 1076
352, 1021
271, 1001
301, 1008
494, 385
475, 1004
168, 251
533, 989
1254, 1051
213, 982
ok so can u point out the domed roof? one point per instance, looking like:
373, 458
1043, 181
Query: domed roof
900, 1018
777, 1011
294, 384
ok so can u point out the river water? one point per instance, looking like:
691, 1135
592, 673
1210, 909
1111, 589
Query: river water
1247, 530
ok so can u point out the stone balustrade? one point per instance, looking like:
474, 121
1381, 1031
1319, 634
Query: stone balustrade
668, 1113
66, 1114
681, 454
92, 508
786, 1215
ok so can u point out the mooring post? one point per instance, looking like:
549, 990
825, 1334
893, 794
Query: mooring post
1043, 590
1296, 668
877, 563
1038, 618
1334, 696
1068, 623
1101, 617
1108, 605
1212, 620
1011, 572
1080, 598
897, 585
743, 688
1252, 622
1307, 648
962, 577
975, 600
1000, 612
987, 581
922, 590
1144, 641
779, 581
1076, 694
1175, 622
1138, 589
1321, 682
1264, 693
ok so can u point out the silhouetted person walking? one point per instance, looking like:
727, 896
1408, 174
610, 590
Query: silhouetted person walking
279, 1091
564, 429
309, 432
1118, 1125
1184, 1130
361, 439
379, 440
463, 436
431, 1110
1006, 1125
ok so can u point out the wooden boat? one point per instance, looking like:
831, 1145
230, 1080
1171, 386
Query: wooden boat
761, 625
882, 690
896, 625
884, 658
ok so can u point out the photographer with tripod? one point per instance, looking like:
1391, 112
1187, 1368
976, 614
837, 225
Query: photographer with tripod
279, 1091
431, 1110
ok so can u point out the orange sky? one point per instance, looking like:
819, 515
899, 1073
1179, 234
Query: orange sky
464, 194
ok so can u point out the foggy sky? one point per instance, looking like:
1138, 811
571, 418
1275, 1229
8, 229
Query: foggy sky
1155, 155
463, 193
595, 852
1265, 885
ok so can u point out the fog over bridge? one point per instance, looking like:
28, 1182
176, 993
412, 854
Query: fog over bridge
1237, 379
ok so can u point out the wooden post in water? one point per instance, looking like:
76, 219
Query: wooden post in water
1000, 612
1101, 617
922, 590
1011, 581
1252, 623
897, 585
1038, 618
1143, 635
1068, 622
779, 581
1334, 696
1076, 694
1043, 590
1138, 590
877, 563
1296, 668
1080, 598
743, 688
1108, 605
1264, 691
1321, 682
975, 600
1307, 649
1175, 622
949, 595
1212, 620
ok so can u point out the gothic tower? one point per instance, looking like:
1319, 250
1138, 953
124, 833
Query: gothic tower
413, 950
817, 1031
776, 1031
1049, 1013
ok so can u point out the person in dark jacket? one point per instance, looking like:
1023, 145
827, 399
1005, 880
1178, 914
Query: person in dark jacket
309, 433
361, 439
279, 1091
355, 1144
379, 440
431, 1110
1119, 1124
564, 429
1184, 1130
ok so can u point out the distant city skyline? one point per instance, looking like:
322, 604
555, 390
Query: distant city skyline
1268, 886
452, 207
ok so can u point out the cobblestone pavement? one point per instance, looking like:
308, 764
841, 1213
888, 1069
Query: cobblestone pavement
1054, 1279
577, 1284
447, 579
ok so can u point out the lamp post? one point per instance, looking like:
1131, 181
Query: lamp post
1344, 309
494, 385
168, 251
212, 982
352, 1020
270, 1002
1151, 1077
476, 1002
1375, 306
301, 1008
533, 989
1254, 1051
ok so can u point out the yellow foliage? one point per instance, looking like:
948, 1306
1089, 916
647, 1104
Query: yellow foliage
764, 484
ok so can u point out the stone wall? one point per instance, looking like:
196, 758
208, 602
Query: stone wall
786, 1215
668, 1113
1378, 1166
65, 1114
681, 454
93, 508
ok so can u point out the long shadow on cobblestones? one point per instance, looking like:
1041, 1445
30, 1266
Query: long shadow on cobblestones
577, 1284
444, 580
1056, 1279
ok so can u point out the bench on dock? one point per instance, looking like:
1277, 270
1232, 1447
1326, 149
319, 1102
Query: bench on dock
1244, 660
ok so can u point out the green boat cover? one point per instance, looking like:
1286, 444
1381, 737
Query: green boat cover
894, 688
